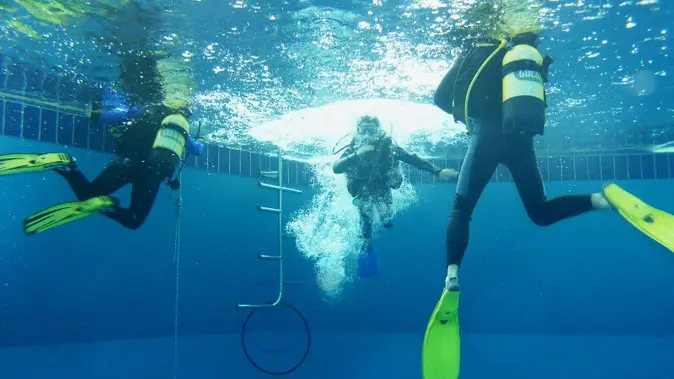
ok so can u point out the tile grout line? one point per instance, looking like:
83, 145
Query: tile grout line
72, 133
655, 166
88, 134
641, 165
627, 167
615, 177
58, 121
23, 120
58, 90
44, 79
25, 83
4, 116
219, 153
5, 70
575, 174
39, 124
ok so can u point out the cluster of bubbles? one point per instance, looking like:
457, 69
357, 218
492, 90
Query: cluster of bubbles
327, 231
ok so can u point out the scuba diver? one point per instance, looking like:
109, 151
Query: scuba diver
497, 89
371, 163
151, 141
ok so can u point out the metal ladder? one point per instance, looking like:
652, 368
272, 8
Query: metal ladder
279, 212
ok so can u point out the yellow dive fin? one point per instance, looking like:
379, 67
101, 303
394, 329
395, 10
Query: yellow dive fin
66, 213
441, 353
22, 163
653, 222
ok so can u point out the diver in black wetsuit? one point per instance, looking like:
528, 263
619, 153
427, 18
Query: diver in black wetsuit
371, 163
497, 89
149, 120
152, 138
138, 164
497, 137
144, 161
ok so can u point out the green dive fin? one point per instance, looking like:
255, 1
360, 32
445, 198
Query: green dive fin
21, 163
653, 222
441, 354
66, 213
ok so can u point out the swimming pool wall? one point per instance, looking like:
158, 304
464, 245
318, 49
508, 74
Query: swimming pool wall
25, 95
587, 298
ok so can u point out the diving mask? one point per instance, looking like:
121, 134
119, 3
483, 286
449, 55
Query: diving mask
369, 126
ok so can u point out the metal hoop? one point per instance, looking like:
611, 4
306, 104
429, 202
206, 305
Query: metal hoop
269, 372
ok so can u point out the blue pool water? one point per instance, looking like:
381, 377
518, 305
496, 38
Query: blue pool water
590, 297
586, 298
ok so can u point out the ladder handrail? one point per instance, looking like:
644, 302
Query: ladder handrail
279, 213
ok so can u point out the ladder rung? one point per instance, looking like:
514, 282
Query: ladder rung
272, 186
288, 235
267, 209
269, 174
243, 306
294, 282
270, 257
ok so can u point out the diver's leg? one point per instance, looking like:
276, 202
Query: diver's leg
367, 257
478, 167
146, 183
520, 159
365, 209
113, 177
385, 208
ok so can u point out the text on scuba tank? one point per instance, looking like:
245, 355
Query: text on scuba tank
528, 75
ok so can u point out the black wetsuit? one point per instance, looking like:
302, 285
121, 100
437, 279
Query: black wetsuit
491, 146
371, 177
137, 164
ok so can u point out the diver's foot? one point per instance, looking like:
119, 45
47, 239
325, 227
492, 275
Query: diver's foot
452, 279
110, 208
68, 168
452, 285
448, 308
599, 202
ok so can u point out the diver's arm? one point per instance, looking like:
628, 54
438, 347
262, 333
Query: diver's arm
194, 147
348, 158
415, 161
118, 114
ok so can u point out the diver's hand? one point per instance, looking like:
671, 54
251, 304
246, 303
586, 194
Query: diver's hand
448, 174
364, 150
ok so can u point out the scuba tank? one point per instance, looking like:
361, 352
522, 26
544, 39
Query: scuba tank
523, 73
169, 144
523, 87
174, 182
